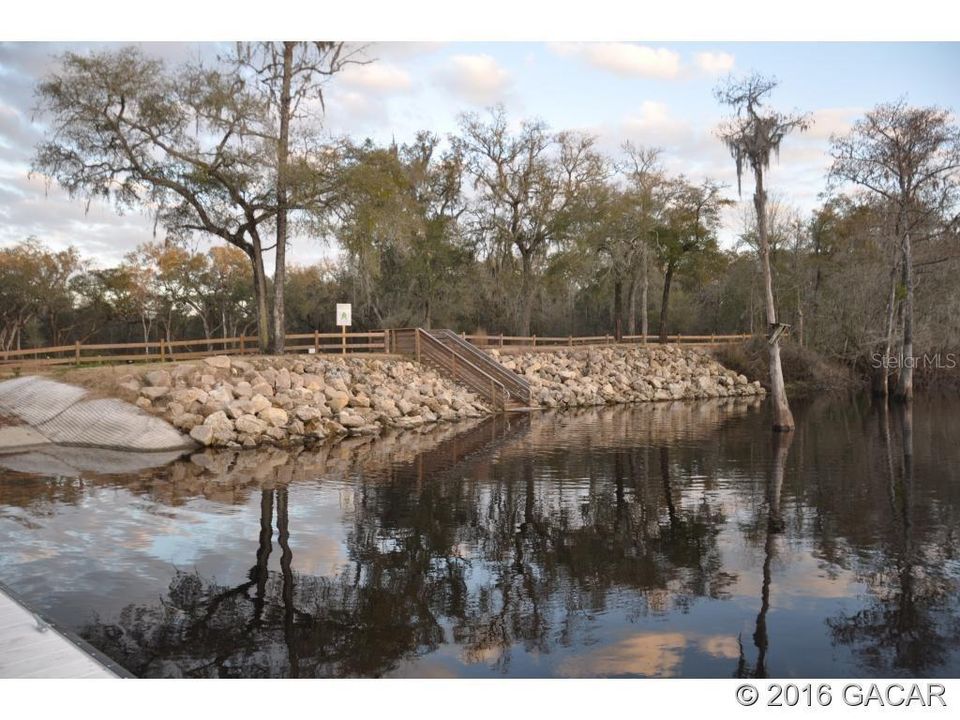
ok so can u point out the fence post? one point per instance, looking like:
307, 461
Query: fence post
316, 341
343, 339
534, 340
501, 339
416, 335
243, 342
570, 340
162, 353
76, 352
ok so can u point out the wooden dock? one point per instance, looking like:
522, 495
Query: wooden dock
32, 648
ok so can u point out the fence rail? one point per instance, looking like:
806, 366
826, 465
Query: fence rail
316, 342
506, 341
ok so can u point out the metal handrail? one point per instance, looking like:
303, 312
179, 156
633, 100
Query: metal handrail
516, 385
437, 352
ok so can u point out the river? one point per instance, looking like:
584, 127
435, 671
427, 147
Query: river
659, 540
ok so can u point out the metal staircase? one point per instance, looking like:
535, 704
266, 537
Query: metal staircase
462, 362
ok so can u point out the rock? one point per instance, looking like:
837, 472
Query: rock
221, 362
158, 378
238, 408
243, 389
276, 417
188, 396
262, 388
336, 399
282, 381
351, 421
221, 395
203, 434
257, 404
154, 393
219, 421
360, 400
306, 413
250, 425
130, 386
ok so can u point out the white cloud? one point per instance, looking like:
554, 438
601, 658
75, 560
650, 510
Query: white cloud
653, 124
830, 121
719, 63
379, 76
627, 59
476, 78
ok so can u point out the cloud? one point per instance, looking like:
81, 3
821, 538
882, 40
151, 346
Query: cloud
378, 76
719, 63
830, 121
475, 78
654, 124
627, 59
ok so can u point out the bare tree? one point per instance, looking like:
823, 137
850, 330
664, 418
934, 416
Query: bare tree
752, 135
526, 184
910, 157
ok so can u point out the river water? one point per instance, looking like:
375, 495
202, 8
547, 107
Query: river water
677, 539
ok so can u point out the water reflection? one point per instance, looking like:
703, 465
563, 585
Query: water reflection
675, 539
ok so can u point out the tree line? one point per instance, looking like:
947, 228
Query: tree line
501, 226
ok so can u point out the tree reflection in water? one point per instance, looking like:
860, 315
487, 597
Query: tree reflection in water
491, 557
614, 541
909, 624
775, 526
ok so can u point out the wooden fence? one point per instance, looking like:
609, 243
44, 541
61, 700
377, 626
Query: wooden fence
518, 341
316, 342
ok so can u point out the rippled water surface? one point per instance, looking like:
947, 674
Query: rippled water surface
679, 539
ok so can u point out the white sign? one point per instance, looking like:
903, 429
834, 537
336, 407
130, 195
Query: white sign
344, 314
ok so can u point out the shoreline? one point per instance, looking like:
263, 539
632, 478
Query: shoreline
294, 400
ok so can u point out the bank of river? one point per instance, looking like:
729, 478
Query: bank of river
290, 400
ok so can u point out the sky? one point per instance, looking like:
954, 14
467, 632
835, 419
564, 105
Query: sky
652, 93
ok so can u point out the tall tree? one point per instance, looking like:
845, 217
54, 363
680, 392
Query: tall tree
752, 135
686, 232
396, 215
125, 127
910, 157
526, 183
290, 77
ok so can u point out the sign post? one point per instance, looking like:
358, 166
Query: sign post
344, 319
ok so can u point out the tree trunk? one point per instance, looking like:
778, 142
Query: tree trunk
526, 294
632, 305
665, 302
283, 148
782, 417
260, 295
644, 292
618, 309
904, 390
881, 374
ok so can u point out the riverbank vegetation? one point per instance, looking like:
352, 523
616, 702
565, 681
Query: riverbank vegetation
505, 225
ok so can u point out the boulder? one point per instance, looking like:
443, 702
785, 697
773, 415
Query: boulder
158, 378
154, 393
276, 417
250, 425
203, 434
221, 362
